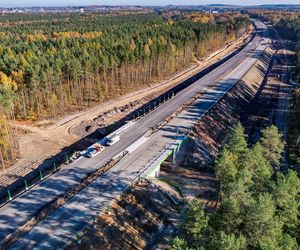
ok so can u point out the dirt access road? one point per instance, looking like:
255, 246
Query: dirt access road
47, 138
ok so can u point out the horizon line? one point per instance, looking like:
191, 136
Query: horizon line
146, 5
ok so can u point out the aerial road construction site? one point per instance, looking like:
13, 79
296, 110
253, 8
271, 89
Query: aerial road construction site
56, 211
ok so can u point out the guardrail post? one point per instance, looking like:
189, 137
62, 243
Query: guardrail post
26, 185
41, 175
67, 159
54, 167
9, 195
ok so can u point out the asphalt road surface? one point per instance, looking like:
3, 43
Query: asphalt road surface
58, 227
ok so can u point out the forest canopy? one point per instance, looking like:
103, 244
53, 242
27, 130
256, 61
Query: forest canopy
61, 63
259, 204
55, 64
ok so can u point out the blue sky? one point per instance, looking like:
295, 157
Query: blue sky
25, 3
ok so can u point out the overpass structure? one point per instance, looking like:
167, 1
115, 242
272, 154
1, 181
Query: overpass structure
143, 156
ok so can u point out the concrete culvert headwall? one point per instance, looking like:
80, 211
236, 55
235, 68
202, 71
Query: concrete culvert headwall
210, 133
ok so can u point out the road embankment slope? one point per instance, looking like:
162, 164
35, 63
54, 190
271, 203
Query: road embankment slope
210, 133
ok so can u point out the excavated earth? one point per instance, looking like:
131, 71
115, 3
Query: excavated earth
99, 122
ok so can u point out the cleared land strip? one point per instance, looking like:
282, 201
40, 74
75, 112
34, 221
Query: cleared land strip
61, 226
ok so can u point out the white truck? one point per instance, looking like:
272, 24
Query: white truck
112, 139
